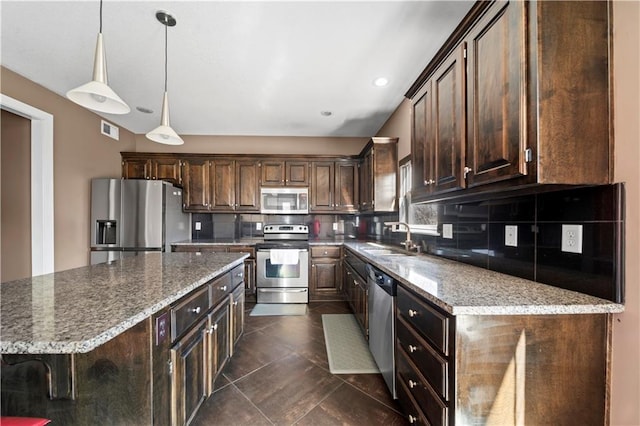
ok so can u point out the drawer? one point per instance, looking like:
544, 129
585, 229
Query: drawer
420, 391
326, 251
412, 411
188, 311
427, 320
243, 249
214, 249
220, 288
432, 366
237, 276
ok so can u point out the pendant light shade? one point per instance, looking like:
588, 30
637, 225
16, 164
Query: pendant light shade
96, 95
164, 133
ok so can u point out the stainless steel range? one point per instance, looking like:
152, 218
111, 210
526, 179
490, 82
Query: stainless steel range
283, 265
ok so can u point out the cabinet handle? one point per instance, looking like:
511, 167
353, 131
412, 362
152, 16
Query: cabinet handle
412, 419
239, 274
412, 384
467, 170
214, 327
413, 313
196, 310
235, 303
223, 288
412, 348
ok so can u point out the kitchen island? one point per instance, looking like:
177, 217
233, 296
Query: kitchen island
102, 335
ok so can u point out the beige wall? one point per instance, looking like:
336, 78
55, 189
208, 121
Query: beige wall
399, 126
80, 153
257, 145
15, 250
625, 394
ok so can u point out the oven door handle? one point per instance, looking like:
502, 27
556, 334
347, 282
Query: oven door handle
277, 290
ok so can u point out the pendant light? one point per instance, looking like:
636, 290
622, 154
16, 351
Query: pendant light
96, 94
164, 133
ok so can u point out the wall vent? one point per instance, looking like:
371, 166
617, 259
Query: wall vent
110, 130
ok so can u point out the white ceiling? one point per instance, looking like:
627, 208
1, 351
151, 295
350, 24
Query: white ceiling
236, 68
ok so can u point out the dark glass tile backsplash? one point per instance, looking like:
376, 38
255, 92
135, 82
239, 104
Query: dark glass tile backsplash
479, 237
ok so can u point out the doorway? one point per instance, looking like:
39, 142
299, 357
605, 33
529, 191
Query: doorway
41, 200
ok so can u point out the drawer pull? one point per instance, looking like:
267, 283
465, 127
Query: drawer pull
412, 384
223, 288
412, 419
235, 303
412, 348
196, 310
413, 313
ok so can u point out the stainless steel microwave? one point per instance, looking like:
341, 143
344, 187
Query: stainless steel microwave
284, 200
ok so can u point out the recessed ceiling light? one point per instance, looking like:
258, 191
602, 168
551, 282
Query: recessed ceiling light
380, 82
326, 113
144, 110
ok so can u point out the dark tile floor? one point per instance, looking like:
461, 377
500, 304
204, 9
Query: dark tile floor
279, 375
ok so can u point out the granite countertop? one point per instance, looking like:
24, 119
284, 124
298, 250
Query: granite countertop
462, 289
77, 310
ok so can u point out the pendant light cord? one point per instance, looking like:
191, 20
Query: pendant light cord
165, 56
101, 16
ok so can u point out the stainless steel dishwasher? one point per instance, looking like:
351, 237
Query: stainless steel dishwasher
382, 333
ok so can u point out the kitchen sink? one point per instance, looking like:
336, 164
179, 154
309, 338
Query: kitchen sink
378, 250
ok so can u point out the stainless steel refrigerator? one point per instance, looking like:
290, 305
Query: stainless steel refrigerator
131, 217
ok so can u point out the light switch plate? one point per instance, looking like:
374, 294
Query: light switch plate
198, 226
447, 231
258, 226
511, 235
335, 226
572, 238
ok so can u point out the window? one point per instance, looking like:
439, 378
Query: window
422, 218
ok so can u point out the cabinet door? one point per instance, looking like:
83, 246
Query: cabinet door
197, 185
166, 169
297, 173
223, 185
385, 177
273, 173
136, 168
422, 149
322, 186
247, 186
366, 182
496, 100
237, 316
188, 385
346, 186
218, 339
325, 282
448, 122
361, 303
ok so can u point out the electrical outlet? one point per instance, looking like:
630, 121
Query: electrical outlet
572, 238
447, 231
335, 226
258, 226
511, 235
198, 226
162, 328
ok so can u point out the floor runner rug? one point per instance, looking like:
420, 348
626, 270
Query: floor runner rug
347, 349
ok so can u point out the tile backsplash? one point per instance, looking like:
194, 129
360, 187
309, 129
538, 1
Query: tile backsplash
478, 236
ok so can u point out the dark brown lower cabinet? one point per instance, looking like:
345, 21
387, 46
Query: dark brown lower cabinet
500, 369
218, 343
188, 370
237, 315
356, 293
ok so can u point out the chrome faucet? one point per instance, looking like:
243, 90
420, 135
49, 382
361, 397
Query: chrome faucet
408, 244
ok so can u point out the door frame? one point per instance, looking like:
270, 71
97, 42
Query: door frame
42, 235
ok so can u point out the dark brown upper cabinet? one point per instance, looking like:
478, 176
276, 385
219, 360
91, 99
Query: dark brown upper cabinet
519, 95
285, 173
379, 175
158, 167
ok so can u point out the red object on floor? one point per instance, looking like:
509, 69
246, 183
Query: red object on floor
23, 421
